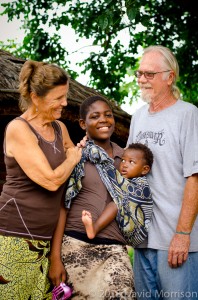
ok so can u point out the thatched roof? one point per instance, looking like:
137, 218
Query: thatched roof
9, 71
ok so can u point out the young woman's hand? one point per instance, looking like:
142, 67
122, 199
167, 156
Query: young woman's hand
57, 272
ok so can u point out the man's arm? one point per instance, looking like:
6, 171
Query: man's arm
179, 246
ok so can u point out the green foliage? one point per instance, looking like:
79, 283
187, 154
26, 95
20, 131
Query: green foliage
118, 29
131, 254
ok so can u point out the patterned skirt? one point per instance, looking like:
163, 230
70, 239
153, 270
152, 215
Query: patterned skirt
24, 267
97, 272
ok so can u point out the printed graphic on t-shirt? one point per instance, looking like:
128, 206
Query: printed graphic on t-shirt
151, 137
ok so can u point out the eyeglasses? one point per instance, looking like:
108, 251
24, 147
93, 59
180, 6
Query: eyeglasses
147, 75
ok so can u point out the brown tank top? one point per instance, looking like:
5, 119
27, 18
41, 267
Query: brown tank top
27, 209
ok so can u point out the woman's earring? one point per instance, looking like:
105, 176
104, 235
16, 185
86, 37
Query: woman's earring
36, 109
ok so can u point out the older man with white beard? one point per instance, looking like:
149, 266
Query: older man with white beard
166, 264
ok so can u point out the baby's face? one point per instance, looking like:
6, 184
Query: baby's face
132, 164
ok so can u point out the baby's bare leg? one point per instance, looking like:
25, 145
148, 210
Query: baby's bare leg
88, 222
107, 216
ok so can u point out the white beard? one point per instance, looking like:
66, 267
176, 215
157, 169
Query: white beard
145, 97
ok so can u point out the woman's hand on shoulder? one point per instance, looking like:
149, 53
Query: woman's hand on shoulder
82, 142
74, 154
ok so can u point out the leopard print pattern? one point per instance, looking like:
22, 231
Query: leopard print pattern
97, 272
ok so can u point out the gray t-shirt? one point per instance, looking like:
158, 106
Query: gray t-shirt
172, 135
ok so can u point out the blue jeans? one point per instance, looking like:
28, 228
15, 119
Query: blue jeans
154, 279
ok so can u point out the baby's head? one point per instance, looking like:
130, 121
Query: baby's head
136, 161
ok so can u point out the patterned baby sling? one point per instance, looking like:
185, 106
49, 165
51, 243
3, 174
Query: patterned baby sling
132, 196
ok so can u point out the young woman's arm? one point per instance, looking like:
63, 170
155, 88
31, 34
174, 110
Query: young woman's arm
57, 272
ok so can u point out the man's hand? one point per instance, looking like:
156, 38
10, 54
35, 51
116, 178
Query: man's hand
178, 250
